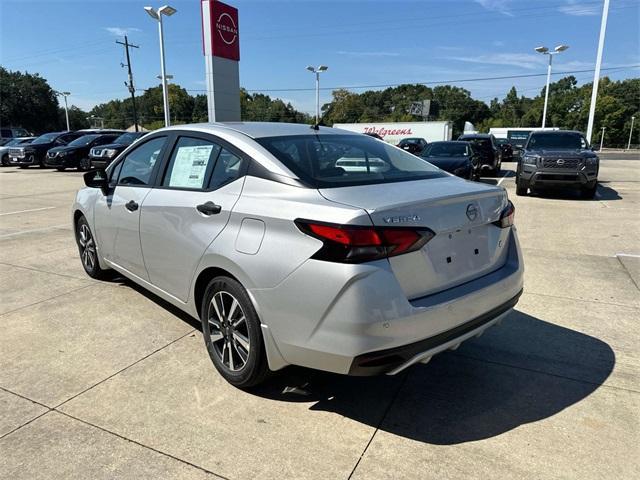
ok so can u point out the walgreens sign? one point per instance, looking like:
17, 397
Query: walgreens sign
393, 132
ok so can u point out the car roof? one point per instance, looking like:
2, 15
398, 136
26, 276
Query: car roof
476, 135
450, 141
556, 132
261, 129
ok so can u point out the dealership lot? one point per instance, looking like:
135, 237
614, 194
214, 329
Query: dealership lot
102, 380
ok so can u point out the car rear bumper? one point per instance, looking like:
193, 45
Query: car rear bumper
358, 321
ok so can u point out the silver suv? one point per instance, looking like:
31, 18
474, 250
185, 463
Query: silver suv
557, 159
288, 255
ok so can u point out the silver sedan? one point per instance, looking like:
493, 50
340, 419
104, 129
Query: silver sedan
307, 246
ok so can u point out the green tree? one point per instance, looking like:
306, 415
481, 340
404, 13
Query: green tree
27, 100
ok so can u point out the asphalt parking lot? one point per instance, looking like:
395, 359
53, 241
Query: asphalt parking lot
101, 380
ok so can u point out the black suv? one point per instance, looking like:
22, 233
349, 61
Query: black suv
559, 158
36, 151
76, 153
490, 153
102, 156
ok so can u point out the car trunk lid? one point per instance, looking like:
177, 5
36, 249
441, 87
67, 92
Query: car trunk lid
467, 244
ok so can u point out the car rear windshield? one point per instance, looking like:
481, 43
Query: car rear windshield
326, 161
483, 143
46, 138
565, 140
445, 150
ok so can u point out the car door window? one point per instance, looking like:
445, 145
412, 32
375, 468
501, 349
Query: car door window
191, 163
228, 168
137, 166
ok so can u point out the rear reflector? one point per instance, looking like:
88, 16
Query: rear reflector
357, 244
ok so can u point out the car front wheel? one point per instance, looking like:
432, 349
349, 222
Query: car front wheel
521, 186
589, 192
88, 250
232, 334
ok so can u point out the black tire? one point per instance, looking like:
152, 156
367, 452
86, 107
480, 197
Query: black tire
83, 165
60, 169
521, 187
5, 160
232, 334
23, 166
88, 251
589, 193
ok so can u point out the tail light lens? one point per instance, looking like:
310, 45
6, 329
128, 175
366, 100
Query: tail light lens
506, 217
356, 244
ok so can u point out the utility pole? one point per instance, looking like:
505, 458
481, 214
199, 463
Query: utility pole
596, 74
602, 139
130, 85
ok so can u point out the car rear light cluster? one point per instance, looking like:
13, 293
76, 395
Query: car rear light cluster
357, 244
506, 217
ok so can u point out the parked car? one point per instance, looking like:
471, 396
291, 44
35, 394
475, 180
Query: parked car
10, 133
102, 156
288, 259
558, 159
4, 150
413, 145
458, 158
490, 155
35, 152
76, 153
506, 149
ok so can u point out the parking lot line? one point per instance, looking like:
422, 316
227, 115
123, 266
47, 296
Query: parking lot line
503, 177
27, 211
34, 230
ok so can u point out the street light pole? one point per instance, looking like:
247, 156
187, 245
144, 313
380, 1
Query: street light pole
630, 133
545, 51
602, 139
596, 74
66, 108
317, 71
157, 15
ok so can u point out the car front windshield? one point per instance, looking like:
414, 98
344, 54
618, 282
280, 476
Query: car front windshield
83, 141
14, 142
127, 138
562, 141
445, 150
46, 138
326, 161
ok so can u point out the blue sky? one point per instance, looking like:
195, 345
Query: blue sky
72, 43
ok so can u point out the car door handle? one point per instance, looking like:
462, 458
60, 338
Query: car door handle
209, 208
131, 206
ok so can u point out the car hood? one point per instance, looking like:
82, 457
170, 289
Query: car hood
448, 163
557, 152
65, 148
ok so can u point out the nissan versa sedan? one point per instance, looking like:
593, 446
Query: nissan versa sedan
288, 258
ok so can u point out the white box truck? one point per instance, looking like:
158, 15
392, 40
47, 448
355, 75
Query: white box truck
394, 132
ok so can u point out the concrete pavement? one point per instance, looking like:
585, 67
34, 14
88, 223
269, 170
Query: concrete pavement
102, 380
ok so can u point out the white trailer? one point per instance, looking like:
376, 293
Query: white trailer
394, 132
517, 135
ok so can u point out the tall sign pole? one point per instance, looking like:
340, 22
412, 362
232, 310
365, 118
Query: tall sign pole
596, 75
221, 48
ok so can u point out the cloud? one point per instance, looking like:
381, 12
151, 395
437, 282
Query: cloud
501, 6
523, 60
121, 31
577, 9
368, 54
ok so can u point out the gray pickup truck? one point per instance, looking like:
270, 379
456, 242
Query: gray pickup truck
557, 159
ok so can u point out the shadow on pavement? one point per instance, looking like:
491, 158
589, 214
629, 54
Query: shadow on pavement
520, 373
604, 193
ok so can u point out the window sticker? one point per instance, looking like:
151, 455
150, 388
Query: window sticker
190, 166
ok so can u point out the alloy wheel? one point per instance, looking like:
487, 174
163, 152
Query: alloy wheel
229, 334
87, 247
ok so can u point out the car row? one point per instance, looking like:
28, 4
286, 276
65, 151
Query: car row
62, 150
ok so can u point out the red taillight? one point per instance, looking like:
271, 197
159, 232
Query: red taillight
507, 216
356, 244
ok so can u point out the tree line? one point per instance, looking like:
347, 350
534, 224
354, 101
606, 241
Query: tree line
27, 100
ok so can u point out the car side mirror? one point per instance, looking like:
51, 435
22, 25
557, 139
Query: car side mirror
97, 179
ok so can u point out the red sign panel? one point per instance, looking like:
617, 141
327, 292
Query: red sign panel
223, 31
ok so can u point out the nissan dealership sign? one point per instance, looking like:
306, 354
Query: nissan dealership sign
221, 48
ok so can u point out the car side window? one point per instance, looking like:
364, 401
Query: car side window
228, 168
138, 165
191, 163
